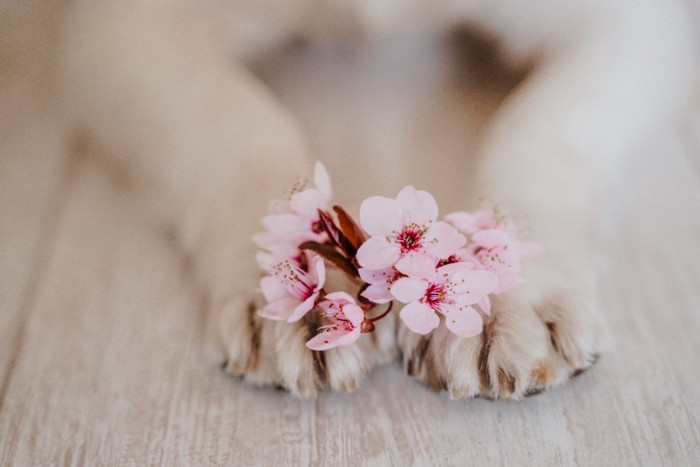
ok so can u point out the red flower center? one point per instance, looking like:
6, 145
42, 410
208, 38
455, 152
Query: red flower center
435, 295
410, 238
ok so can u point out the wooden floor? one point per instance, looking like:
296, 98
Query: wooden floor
102, 359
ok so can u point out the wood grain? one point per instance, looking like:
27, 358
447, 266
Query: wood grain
112, 368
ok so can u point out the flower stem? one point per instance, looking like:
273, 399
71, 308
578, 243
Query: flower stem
386, 312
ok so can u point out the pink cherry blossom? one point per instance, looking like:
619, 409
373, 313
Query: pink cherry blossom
497, 251
404, 225
448, 290
380, 282
493, 246
472, 222
291, 223
291, 291
345, 318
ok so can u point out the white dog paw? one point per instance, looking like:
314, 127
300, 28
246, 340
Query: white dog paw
274, 353
538, 336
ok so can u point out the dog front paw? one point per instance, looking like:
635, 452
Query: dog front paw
539, 335
274, 353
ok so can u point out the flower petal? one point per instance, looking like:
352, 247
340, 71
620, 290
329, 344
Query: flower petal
492, 238
417, 205
377, 253
507, 280
266, 260
378, 293
408, 289
303, 308
279, 309
463, 221
285, 224
328, 339
417, 265
318, 272
353, 313
380, 216
446, 240
376, 276
323, 181
485, 305
273, 289
472, 286
419, 317
307, 203
343, 297
464, 322
349, 338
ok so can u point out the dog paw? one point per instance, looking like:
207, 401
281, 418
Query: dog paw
274, 353
539, 335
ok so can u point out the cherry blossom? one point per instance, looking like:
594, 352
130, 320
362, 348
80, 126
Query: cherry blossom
404, 225
439, 270
291, 291
345, 318
293, 222
493, 246
448, 290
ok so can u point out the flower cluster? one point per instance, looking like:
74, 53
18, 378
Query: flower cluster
399, 252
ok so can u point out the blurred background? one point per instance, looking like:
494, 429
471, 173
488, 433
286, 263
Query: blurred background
102, 358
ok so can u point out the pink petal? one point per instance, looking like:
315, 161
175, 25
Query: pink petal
273, 289
376, 276
380, 216
318, 272
323, 181
329, 339
492, 238
507, 280
447, 240
462, 221
464, 322
419, 317
266, 261
302, 309
407, 289
340, 297
472, 286
354, 314
350, 337
485, 305
283, 224
279, 309
417, 265
275, 244
419, 206
378, 293
308, 202
377, 253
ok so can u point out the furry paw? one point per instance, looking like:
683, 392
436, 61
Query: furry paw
274, 353
540, 334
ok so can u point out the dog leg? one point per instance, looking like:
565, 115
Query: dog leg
598, 91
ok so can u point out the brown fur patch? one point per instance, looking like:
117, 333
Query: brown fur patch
552, 327
542, 374
254, 328
486, 339
506, 381
415, 361
311, 322
554, 338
